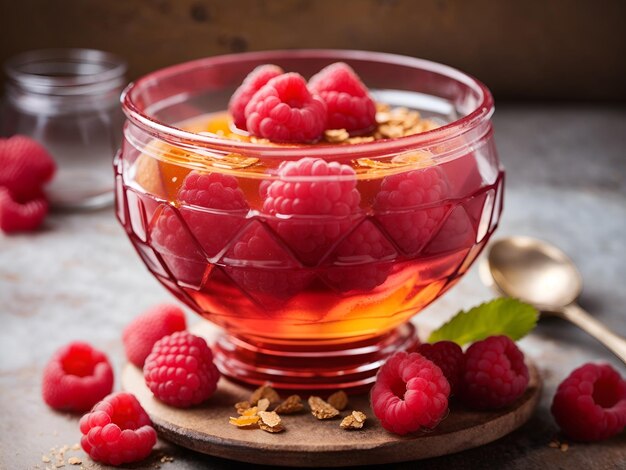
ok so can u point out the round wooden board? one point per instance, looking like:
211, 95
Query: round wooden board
307, 442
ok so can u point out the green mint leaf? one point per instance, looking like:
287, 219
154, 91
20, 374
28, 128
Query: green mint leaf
501, 316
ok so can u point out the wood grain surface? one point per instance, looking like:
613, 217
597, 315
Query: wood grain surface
308, 442
532, 49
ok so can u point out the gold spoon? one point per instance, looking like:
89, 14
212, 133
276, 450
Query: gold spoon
541, 274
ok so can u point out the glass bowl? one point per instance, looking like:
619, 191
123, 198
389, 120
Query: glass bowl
308, 301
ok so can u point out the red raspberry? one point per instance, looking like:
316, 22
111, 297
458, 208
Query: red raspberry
590, 404
17, 217
449, 357
495, 374
411, 207
140, 335
213, 209
362, 261
313, 204
180, 370
348, 103
227, 206
410, 393
283, 110
264, 268
76, 378
25, 166
251, 84
117, 431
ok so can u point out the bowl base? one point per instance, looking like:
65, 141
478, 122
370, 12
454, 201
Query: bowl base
350, 366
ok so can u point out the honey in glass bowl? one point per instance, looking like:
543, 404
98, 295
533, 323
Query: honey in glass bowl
308, 301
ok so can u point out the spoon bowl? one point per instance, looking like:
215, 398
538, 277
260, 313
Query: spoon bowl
534, 271
540, 274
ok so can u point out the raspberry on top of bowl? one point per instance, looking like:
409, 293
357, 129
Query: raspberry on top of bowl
334, 107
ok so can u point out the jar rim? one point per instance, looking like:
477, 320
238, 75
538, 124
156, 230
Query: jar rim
75, 68
171, 134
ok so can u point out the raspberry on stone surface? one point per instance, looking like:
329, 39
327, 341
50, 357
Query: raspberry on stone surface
410, 393
251, 84
76, 377
495, 374
312, 204
450, 359
25, 167
140, 334
117, 431
590, 404
348, 103
284, 110
21, 217
180, 370
412, 206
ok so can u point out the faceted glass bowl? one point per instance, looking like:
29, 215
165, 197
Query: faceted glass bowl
308, 301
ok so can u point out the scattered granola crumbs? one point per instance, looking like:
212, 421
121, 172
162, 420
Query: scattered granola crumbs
360, 140
554, 444
167, 458
321, 409
354, 420
270, 421
244, 421
242, 406
293, 404
45, 459
335, 136
263, 404
250, 411
74, 461
564, 447
339, 400
76, 446
265, 391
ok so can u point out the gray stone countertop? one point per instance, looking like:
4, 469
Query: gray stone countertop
79, 278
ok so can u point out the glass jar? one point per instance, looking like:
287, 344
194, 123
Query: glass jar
68, 100
307, 300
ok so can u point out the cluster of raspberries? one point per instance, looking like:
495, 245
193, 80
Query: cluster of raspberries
178, 368
283, 107
412, 389
25, 167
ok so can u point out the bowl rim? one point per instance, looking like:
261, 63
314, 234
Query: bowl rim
174, 135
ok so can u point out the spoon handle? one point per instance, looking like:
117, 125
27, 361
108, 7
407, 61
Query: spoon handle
614, 342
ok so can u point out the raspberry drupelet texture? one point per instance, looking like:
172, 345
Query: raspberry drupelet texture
313, 204
212, 211
264, 268
361, 261
348, 103
284, 110
140, 335
251, 84
450, 359
180, 370
21, 217
76, 378
495, 374
410, 393
398, 207
590, 404
25, 166
219, 208
117, 431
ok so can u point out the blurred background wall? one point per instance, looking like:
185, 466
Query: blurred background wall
531, 49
